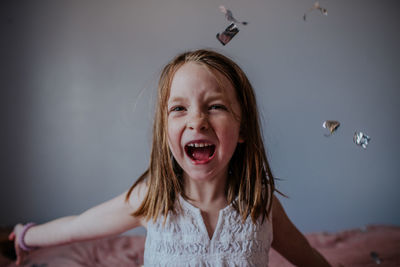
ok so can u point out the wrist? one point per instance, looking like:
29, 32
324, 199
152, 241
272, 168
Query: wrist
21, 237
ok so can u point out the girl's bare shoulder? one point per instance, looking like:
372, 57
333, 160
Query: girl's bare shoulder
137, 196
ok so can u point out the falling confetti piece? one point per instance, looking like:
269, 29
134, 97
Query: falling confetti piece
375, 257
232, 29
316, 6
361, 139
228, 34
332, 126
229, 16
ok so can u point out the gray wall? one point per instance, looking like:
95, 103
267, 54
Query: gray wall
78, 82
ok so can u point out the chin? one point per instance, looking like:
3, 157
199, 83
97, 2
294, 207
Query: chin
198, 176
203, 175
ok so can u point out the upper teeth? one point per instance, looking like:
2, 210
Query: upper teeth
199, 144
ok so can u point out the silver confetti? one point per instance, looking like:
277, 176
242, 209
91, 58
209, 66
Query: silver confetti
316, 6
332, 126
375, 257
228, 34
361, 139
229, 16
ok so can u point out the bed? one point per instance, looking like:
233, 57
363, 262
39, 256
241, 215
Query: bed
367, 246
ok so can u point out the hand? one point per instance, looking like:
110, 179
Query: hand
21, 254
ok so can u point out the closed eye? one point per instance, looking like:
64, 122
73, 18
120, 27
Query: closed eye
177, 108
217, 107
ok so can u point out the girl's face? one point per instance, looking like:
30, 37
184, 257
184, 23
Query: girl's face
203, 122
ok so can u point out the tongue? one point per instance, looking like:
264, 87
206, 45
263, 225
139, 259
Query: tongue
201, 153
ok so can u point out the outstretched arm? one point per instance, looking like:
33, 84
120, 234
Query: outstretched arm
291, 243
109, 218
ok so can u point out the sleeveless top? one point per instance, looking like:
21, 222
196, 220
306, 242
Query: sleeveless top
184, 240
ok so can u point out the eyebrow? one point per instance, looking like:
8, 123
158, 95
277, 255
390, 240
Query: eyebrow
176, 99
217, 97
211, 98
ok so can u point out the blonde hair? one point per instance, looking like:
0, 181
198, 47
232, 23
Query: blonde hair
250, 186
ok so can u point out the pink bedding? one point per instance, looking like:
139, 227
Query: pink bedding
354, 247
346, 248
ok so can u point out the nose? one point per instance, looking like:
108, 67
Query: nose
198, 121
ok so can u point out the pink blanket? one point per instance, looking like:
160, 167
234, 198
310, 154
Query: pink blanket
354, 247
346, 248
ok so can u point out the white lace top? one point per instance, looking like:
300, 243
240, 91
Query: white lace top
184, 240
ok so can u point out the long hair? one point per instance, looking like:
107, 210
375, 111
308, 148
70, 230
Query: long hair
250, 186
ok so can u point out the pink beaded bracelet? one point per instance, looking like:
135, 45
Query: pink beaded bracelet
21, 241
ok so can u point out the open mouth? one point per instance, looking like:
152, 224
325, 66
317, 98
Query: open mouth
200, 152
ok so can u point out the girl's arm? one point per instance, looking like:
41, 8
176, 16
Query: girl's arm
290, 242
109, 218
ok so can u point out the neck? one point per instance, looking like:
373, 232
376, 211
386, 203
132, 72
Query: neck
203, 192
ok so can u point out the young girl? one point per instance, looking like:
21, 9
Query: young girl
207, 198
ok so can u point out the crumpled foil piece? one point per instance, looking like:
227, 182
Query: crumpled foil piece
332, 126
229, 16
361, 139
228, 34
375, 257
316, 6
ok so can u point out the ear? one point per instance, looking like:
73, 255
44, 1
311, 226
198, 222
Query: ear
241, 139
